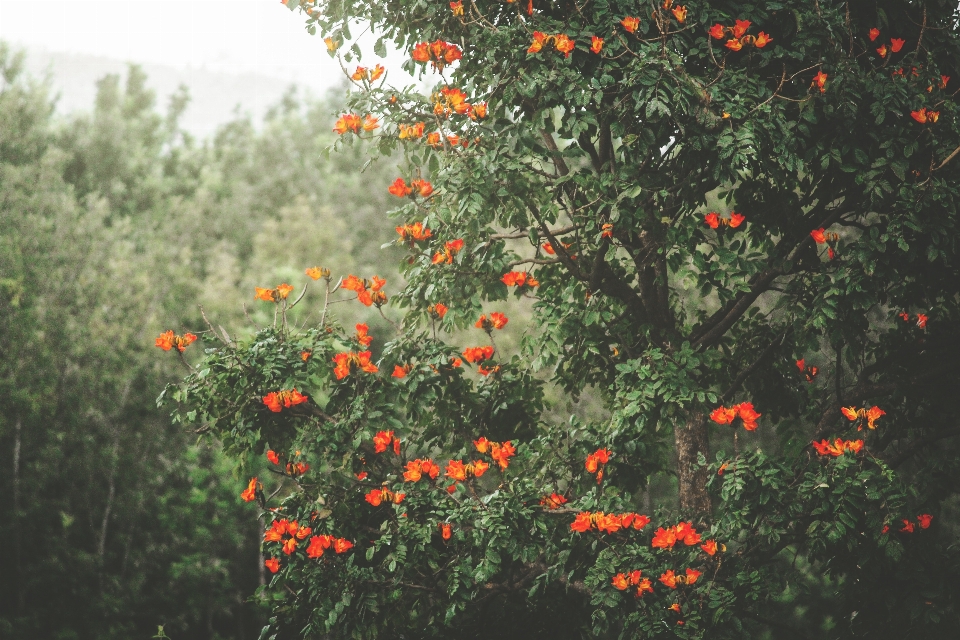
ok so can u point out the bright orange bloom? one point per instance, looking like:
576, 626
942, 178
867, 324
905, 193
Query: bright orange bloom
736, 219
347, 361
710, 547
596, 44
634, 520
359, 74
692, 576
478, 468
362, 336
502, 452
273, 457
907, 527
740, 28
748, 415
362, 475
410, 131
438, 53
342, 545
722, 415
818, 235
680, 13
669, 579
609, 523
376, 497
400, 372
553, 501
302, 532
607, 231
620, 582
482, 445
644, 586
873, 414
414, 232
924, 520
733, 45
422, 187
347, 122
717, 31
582, 522
920, 116
318, 272
630, 23
437, 310
250, 494
596, 459
664, 538
456, 470
317, 545
277, 400
457, 7
712, 220
820, 81
838, 447
446, 530
564, 44
496, 321
539, 39
289, 546
882, 51
382, 440
450, 249
478, 111
272, 564
474, 355
943, 81
416, 469
851, 413
762, 40
273, 295
400, 188
896, 44
168, 340
921, 321
873, 34
684, 531
519, 279
376, 72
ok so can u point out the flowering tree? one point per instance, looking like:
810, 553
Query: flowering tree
735, 224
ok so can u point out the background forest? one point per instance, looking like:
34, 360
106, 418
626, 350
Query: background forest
116, 225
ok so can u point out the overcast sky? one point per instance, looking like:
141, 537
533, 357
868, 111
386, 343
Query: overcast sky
260, 36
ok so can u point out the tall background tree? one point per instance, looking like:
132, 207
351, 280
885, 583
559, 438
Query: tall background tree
733, 225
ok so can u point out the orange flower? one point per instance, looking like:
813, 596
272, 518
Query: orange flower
414, 232
644, 586
359, 74
921, 321
456, 470
331, 44
370, 123
438, 53
664, 538
692, 576
607, 230
273, 457
519, 279
289, 546
923, 116
635, 520
410, 131
748, 415
446, 530
896, 44
362, 475
478, 468
400, 372
273, 295
669, 579
564, 44
630, 23
399, 188
474, 355
736, 220
272, 564
684, 531
582, 522
539, 39
382, 440
250, 494
717, 31
740, 28
497, 321
609, 523
873, 414
450, 249
362, 336
907, 527
620, 582
680, 13
437, 310
502, 452
722, 415
734, 45
457, 7
924, 520
820, 81
873, 34
712, 220
710, 547
478, 111
342, 545
482, 445
553, 501
376, 72
277, 400
168, 340
596, 44
422, 187
317, 545
345, 363
943, 81
762, 40
882, 51
414, 471
595, 460
318, 272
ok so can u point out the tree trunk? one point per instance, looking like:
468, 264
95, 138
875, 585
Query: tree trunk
691, 440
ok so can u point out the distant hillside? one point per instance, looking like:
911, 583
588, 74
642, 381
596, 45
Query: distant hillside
215, 96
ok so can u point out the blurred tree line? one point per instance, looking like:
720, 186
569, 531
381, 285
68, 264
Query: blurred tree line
116, 225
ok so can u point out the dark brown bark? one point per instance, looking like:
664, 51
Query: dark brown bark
691, 440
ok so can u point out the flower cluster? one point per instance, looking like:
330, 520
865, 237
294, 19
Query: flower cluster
595, 462
474, 355
168, 340
318, 544
250, 493
438, 53
682, 532
519, 279
416, 187
278, 293
495, 321
549, 250
287, 533
923, 520
501, 452
921, 319
437, 311
737, 36
459, 472
631, 24
821, 236
451, 100
895, 43
925, 116
871, 415
415, 232
353, 122
608, 522
345, 363
838, 447
623, 582
277, 400
744, 411
362, 336
318, 272
563, 43
370, 75
553, 501
383, 440
411, 131
809, 371
368, 291
376, 497
714, 221
450, 249
418, 468
672, 579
